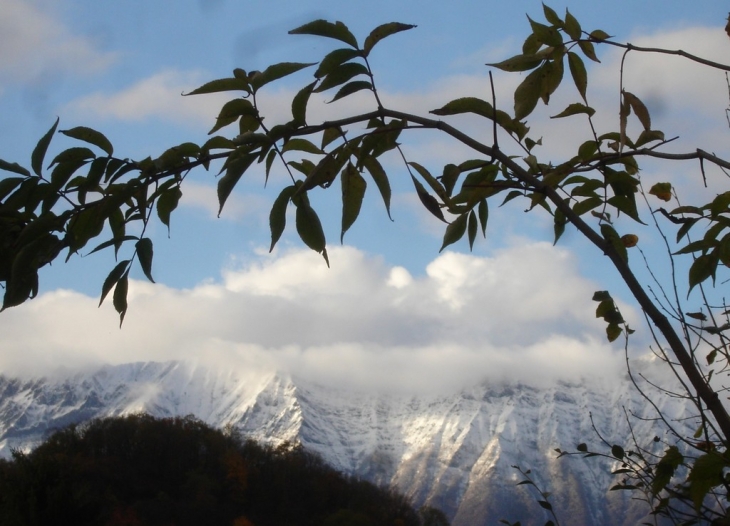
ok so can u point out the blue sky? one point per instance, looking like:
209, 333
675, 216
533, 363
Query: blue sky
503, 310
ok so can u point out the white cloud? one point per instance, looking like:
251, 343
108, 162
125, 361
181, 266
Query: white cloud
35, 44
158, 97
523, 314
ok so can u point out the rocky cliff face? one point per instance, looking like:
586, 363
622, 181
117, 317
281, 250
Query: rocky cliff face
453, 451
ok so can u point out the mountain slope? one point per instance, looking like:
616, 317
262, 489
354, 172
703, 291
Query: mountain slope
452, 451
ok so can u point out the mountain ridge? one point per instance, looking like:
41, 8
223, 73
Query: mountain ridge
454, 451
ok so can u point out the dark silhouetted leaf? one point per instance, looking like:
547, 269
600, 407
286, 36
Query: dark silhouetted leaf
144, 254
455, 231
323, 28
472, 228
381, 180
350, 88
119, 299
310, 230
340, 75
91, 136
215, 86
702, 268
353, 192
166, 203
383, 31
334, 59
275, 72
277, 216
429, 201
235, 170
299, 104
39, 152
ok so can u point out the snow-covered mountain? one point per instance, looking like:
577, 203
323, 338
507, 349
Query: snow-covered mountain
453, 451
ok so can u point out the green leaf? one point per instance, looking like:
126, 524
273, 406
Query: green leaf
455, 231
323, 28
350, 88
579, 73
466, 105
353, 192
551, 16
546, 34
522, 62
610, 235
119, 299
665, 468
583, 448
383, 31
588, 50
381, 180
91, 136
302, 145
662, 190
587, 150
574, 109
528, 93
277, 71
640, 110
299, 104
647, 136
707, 472
277, 216
618, 452
39, 152
545, 504
572, 26
310, 230
236, 169
599, 35
144, 253
215, 86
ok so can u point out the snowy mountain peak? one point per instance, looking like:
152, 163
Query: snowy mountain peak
453, 451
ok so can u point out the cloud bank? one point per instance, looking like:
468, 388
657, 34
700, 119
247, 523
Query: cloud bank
524, 314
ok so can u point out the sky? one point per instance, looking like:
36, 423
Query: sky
391, 312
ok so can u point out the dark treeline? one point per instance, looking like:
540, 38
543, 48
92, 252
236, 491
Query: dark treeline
138, 470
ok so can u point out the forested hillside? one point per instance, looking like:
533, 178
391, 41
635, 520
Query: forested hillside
138, 470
